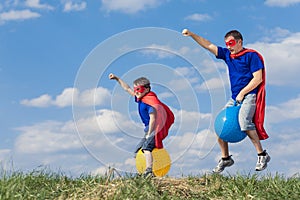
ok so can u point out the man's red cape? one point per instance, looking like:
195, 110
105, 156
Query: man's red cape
164, 117
259, 115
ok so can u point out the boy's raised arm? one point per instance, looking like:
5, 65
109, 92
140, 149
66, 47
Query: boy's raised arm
124, 85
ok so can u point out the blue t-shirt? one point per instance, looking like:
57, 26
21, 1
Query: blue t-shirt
144, 111
240, 69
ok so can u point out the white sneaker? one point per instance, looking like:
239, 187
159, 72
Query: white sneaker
222, 164
262, 162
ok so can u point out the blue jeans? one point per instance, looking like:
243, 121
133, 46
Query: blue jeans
146, 143
247, 111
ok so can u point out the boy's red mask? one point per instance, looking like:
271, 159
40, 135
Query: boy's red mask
139, 88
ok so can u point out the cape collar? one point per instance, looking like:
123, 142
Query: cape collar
147, 94
240, 53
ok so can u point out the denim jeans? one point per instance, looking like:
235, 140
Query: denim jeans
247, 111
146, 143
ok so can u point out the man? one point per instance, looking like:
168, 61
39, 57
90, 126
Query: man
247, 80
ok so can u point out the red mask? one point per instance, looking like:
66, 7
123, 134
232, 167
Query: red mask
139, 88
230, 43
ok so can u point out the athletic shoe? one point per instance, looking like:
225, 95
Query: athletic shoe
222, 164
262, 162
148, 173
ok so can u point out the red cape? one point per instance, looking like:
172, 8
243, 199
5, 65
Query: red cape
259, 115
164, 117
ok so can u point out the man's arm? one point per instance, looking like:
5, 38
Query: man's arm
202, 41
124, 85
255, 81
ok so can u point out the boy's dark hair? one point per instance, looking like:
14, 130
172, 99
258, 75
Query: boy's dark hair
234, 33
142, 81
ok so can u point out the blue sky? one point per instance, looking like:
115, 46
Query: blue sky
58, 109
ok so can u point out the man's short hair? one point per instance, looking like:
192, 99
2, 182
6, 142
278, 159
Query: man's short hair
234, 33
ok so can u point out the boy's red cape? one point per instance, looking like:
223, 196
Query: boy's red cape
259, 115
164, 117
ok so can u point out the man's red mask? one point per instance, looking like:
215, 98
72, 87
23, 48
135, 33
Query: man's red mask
230, 43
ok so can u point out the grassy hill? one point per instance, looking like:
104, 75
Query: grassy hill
47, 185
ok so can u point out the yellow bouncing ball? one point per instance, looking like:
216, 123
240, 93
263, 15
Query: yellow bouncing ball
161, 162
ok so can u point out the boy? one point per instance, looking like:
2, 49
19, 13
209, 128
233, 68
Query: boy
155, 115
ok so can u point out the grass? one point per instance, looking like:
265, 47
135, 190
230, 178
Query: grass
42, 184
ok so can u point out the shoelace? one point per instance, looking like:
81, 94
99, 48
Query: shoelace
260, 158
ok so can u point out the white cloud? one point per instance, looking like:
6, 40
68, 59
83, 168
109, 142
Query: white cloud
282, 60
9, 3
185, 71
18, 15
93, 131
69, 97
42, 101
166, 51
190, 121
66, 97
185, 77
214, 83
181, 84
46, 137
193, 78
105, 137
284, 111
281, 3
38, 5
72, 6
107, 122
276, 34
161, 51
198, 17
97, 96
191, 147
285, 142
166, 95
129, 6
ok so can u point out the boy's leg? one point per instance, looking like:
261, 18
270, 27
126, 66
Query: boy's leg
149, 159
147, 148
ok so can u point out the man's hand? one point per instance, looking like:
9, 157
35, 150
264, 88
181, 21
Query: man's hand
112, 76
186, 32
239, 98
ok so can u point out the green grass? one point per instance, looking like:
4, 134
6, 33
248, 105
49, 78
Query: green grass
48, 185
